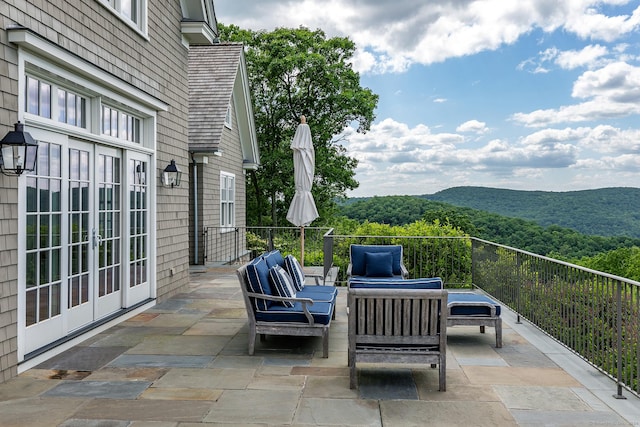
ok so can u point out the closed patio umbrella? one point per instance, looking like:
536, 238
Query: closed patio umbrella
302, 210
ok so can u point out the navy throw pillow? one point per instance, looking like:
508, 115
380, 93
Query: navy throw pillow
379, 264
282, 284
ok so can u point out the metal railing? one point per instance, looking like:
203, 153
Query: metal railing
596, 315
235, 245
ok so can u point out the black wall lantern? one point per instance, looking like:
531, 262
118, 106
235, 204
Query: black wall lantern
171, 175
19, 151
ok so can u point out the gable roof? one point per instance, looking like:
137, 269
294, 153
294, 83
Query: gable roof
216, 74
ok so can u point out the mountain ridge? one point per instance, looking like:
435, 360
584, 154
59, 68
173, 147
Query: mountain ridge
611, 211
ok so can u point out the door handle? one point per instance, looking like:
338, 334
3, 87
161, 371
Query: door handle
97, 239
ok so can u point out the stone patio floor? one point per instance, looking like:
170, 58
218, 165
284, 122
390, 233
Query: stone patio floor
184, 362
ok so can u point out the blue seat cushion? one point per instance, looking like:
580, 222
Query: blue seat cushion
358, 261
258, 278
426, 283
378, 264
319, 293
274, 258
469, 309
320, 311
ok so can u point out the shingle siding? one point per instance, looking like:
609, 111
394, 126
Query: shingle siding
213, 78
157, 66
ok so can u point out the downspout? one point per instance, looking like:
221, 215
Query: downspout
195, 211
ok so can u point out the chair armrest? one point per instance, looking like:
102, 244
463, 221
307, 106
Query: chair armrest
349, 269
404, 271
318, 277
304, 301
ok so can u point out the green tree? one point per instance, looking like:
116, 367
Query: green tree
295, 72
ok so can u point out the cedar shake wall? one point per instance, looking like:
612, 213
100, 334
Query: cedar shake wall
209, 195
157, 66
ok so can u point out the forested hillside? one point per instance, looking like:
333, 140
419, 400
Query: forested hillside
603, 212
516, 232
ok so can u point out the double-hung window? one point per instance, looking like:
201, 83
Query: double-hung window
132, 12
227, 200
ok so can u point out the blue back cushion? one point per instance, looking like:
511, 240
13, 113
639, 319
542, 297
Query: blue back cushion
358, 261
378, 264
274, 258
258, 275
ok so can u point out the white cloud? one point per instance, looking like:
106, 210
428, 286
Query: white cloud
611, 91
393, 34
411, 156
473, 126
585, 57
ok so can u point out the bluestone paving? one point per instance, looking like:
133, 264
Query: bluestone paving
264, 406
161, 361
447, 413
338, 412
184, 363
380, 384
98, 389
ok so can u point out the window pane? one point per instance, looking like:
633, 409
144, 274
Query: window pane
31, 305
71, 109
114, 123
45, 100
33, 96
62, 106
80, 112
106, 121
55, 159
32, 195
32, 269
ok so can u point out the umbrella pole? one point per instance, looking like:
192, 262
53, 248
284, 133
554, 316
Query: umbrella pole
302, 246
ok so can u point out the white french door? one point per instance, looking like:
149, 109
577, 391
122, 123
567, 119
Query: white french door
87, 237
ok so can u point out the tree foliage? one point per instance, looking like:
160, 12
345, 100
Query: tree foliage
294, 72
553, 240
601, 212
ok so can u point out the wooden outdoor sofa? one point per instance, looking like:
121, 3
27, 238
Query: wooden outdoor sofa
396, 325
381, 266
307, 313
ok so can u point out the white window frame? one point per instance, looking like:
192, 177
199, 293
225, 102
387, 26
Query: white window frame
55, 88
228, 121
227, 201
115, 7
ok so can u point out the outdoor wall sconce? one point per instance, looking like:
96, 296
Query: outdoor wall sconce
171, 175
18, 152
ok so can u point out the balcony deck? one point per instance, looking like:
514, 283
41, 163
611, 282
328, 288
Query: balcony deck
184, 362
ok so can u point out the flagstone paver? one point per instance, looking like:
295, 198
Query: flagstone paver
184, 363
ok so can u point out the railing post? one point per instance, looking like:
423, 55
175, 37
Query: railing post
327, 252
205, 241
518, 287
619, 394
236, 250
269, 240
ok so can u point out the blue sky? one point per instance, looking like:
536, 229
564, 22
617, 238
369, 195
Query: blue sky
526, 95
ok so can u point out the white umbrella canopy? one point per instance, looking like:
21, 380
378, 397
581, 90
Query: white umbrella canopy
302, 210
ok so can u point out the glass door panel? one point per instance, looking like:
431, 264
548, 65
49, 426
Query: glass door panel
109, 243
81, 236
